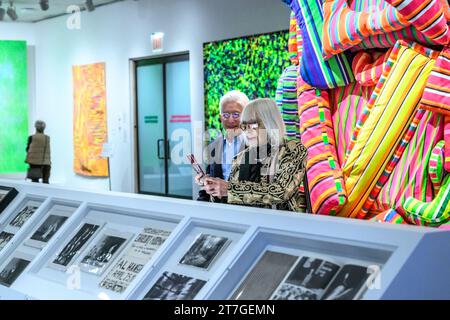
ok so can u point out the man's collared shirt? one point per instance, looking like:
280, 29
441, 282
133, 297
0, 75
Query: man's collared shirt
230, 150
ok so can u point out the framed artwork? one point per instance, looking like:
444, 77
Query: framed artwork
5, 238
13, 268
265, 276
24, 214
134, 259
90, 131
174, 286
252, 64
46, 230
205, 249
14, 105
75, 245
103, 251
7, 195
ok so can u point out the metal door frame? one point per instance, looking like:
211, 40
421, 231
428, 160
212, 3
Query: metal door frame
134, 64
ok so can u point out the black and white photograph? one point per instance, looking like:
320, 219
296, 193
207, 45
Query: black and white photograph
74, 246
265, 276
173, 286
5, 237
48, 229
348, 283
7, 195
307, 280
204, 250
102, 253
134, 259
23, 216
12, 271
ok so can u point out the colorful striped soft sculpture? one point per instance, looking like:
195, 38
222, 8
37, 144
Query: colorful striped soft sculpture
384, 121
314, 70
389, 216
325, 180
436, 96
432, 213
286, 98
427, 16
436, 166
347, 104
410, 177
344, 28
388, 39
447, 143
393, 162
368, 66
295, 41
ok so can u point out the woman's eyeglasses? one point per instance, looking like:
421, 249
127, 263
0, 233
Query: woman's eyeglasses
235, 115
249, 126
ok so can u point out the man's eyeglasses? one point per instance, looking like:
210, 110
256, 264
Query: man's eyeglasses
249, 126
235, 115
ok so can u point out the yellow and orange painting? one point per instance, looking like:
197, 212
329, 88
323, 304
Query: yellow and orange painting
90, 126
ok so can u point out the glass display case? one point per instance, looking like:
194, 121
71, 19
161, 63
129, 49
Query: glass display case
64, 243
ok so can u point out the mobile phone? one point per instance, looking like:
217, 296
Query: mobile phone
195, 165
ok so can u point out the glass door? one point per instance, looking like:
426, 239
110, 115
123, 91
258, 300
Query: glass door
179, 128
164, 126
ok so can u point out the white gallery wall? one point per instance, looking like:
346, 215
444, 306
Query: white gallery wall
113, 34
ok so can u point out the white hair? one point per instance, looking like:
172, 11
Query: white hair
234, 96
266, 112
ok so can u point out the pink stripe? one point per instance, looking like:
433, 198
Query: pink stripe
447, 143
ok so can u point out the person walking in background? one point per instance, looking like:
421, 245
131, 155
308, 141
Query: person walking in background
38, 154
223, 149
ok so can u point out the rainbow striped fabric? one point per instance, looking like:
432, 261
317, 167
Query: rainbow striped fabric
385, 120
446, 9
433, 213
292, 42
410, 176
368, 66
391, 164
436, 166
389, 216
325, 180
437, 92
344, 28
347, 104
447, 143
386, 40
314, 70
427, 16
286, 98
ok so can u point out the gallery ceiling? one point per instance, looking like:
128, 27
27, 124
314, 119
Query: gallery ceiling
30, 10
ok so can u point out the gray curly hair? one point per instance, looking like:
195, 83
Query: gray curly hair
39, 125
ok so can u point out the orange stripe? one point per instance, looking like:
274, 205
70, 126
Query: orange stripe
433, 86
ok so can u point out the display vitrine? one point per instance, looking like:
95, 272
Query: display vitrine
63, 243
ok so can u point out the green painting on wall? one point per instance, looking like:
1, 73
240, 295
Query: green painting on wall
251, 64
13, 106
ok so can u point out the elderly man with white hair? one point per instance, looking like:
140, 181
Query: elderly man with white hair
223, 149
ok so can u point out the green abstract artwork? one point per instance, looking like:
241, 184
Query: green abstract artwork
250, 64
13, 106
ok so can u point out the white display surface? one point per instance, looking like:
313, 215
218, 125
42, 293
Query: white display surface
207, 248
